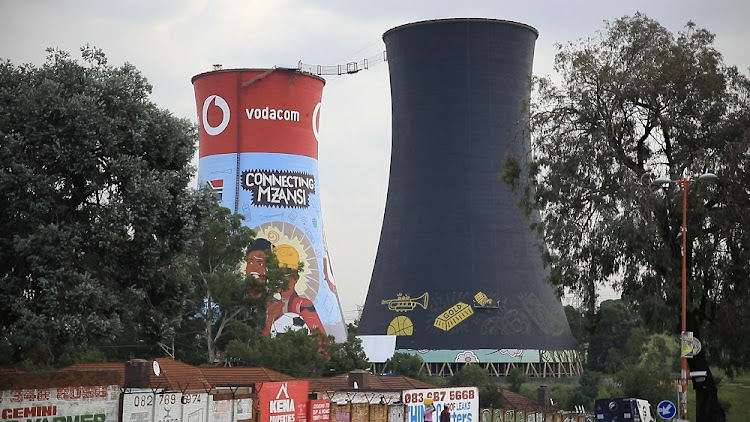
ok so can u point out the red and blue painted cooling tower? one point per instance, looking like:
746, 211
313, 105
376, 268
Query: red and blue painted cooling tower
458, 276
259, 151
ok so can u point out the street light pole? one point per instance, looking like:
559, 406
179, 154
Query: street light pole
684, 182
683, 359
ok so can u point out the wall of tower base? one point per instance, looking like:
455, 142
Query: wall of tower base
496, 369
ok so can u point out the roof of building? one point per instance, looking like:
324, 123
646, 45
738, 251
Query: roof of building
172, 375
515, 401
177, 376
342, 382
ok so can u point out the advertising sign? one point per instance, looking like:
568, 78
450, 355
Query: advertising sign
231, 410
259, 153
319, 410
164, 407
462, 402
282, 401
85, 404
690, 346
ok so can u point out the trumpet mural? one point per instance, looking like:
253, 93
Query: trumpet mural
404, 303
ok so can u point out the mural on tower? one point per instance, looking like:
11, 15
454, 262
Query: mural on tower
458, 276
259, 152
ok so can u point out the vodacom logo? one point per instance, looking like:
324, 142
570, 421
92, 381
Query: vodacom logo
315, 121
222, 104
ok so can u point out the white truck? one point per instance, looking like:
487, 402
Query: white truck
623, 410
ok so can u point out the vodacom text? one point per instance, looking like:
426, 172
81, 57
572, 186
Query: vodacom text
268, 113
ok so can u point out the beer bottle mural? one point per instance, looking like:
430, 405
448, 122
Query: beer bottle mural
258, 151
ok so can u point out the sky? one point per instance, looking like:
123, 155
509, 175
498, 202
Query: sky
170, 41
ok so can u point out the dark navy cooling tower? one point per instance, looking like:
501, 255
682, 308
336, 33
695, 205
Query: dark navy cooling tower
457, 268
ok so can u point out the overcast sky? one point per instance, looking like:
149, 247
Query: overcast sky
171, 41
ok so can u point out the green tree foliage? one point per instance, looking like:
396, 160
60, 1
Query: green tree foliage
588, 384
224, 293
471, 375
95, 209
404, 364
634, 103
491, 395
576, 397
348, 356
646, 382
614, 322
352, 327
516, 378
585, 393
660, 351
578, 326
296, 353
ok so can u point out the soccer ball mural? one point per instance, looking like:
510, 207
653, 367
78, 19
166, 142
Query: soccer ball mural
287, 322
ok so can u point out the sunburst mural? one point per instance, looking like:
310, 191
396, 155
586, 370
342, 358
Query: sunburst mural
292, 245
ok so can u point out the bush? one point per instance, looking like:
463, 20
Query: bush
516, 378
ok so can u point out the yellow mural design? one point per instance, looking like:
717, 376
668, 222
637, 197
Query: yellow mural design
453, 316
401, 326
482, 301
404, 303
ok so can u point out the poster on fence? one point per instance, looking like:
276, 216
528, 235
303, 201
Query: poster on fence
164, 407
462, 403
319, 411
282, 401
98, 403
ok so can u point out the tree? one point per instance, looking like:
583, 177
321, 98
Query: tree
613, 325
633, 104
95, 208
516, 378
646, 382
348, 356
589, 385
225, 293
296, 353
586, 392
352, 327
491, 395
578, 327
471, 375
404, 364
636, 103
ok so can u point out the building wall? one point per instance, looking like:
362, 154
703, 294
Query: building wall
98, 403
109, 404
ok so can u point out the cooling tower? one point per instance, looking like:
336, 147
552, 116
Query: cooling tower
458, 276
259, 152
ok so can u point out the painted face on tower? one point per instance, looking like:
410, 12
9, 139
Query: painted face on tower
256, 258
256, 263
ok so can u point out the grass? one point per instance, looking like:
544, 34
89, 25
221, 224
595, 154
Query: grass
734, 394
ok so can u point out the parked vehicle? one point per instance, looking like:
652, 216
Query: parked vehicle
623, 409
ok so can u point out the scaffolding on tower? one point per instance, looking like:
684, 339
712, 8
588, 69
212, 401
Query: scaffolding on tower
339, 69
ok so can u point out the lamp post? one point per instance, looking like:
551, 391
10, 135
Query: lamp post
684, 182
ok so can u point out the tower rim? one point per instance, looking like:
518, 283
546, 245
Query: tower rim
454, 20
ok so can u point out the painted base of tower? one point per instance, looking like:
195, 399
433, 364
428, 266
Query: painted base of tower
498, 362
